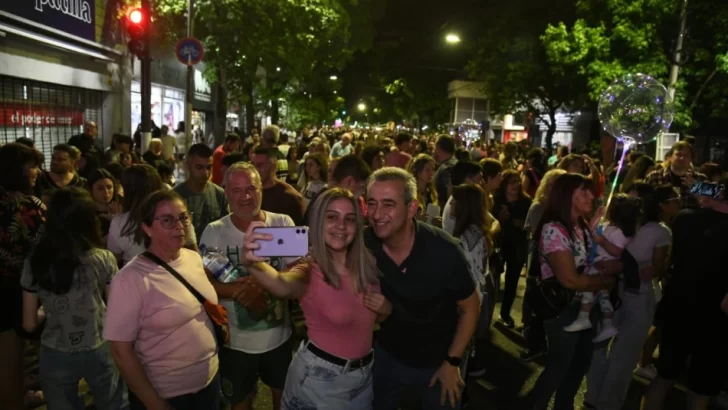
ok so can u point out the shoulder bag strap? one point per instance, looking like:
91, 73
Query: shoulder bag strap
174, 273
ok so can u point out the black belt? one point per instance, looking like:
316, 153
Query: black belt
339, 361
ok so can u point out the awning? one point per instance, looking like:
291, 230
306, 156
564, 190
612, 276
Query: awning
5, 29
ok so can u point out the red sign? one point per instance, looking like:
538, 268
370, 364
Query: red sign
39, 116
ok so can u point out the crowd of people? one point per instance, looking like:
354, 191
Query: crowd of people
409, 236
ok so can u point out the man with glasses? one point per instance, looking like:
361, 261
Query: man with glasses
205, 200
260, 326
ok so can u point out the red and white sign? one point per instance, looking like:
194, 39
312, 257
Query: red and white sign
40, 116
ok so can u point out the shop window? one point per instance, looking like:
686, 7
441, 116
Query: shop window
49, 114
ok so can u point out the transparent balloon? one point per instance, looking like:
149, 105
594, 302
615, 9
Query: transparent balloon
636, 109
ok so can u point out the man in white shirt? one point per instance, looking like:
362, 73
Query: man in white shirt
259, 337
342, 147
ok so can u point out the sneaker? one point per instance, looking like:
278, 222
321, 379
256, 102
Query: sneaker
606, 333
507, 321
648, 372
578, 325
530, 355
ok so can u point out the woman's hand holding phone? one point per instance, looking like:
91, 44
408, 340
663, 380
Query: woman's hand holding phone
250, 243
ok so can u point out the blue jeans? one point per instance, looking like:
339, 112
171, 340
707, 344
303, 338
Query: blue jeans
567, 361
207, 398
316, 384
60, 373
391, 377
612, 365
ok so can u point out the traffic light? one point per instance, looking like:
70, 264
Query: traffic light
137, 20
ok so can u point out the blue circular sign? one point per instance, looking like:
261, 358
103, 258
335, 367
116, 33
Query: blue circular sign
189, 51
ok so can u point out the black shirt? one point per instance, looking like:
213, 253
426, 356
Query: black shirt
513, 235
423, 291
699, 281
45, 184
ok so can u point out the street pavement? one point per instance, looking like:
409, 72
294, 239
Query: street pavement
506, 379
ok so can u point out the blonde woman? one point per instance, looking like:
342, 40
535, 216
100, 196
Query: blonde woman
422, 167
339, 294
535, 212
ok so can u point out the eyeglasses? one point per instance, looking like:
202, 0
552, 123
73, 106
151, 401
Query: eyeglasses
170, 221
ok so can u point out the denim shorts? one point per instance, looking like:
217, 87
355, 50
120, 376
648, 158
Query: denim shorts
313, 383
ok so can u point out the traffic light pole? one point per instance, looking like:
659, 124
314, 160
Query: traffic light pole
146, 83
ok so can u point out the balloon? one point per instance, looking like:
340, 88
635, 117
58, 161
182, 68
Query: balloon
635, 109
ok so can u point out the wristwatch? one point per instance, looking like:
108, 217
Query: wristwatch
455, 361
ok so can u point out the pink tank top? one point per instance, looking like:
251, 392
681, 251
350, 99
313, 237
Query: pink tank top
337, 320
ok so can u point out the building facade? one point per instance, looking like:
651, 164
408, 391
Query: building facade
61, 65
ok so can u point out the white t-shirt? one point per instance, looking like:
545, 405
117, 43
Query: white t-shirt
650, 236
125, 247
448, 222
249, 334
642, 247
614, 236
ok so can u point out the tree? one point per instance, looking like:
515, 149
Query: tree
615, 37
420, 98
513, 63
265, 45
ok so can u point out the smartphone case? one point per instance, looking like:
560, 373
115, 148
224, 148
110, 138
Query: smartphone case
287, 241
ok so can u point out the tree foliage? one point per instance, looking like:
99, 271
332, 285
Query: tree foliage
614, 37
514, 65
267, 46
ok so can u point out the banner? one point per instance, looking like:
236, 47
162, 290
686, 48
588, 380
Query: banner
39, 116
75, 17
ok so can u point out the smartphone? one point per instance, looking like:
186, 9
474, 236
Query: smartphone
287, 241
708, 189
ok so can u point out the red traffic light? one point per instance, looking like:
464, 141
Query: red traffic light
136, 16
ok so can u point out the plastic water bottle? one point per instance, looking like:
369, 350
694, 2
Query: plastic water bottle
219, 264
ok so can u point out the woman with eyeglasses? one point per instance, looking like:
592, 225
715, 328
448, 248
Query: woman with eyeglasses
126, 239
161, 337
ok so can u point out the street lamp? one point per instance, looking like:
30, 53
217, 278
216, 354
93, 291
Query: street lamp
452, 38
361, 107
333, 78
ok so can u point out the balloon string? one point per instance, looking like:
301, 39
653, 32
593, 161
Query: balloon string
625, 148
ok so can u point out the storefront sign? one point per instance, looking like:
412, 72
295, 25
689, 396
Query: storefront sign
75, 17
15, 116
202, 88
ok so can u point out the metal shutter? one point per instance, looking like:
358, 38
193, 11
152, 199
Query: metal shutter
47, 113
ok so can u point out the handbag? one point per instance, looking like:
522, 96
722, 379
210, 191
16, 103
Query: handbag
548, 297
216, 313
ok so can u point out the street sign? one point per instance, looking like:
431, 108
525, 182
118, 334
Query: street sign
189, 51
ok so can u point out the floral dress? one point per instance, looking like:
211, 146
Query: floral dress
21, 223
555, 238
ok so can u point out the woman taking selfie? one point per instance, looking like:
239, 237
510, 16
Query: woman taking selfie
161, 337
340, 298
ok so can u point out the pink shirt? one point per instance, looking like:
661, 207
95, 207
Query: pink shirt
398, 159
337, 320
172, 334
